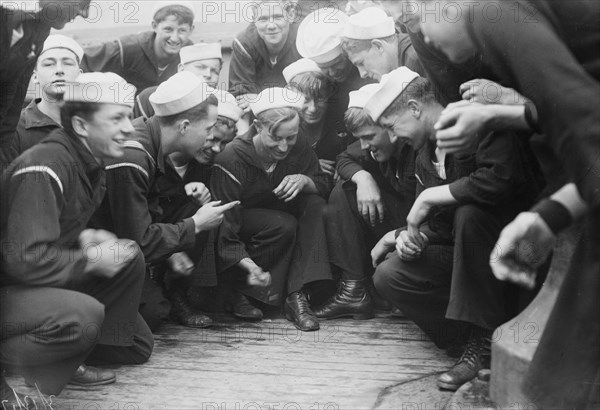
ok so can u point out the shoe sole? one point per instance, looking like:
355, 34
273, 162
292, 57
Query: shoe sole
98, 383
355, 316
448, 386
291, 319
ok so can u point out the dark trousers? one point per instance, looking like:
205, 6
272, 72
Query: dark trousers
350, 238
450, 283
48, 332
289, 242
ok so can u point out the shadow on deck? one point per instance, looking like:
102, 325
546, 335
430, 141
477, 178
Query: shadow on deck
237, 365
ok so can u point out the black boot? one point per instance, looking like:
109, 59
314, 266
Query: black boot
298, 310
184, 314
240, 306
475, 357
351, 299
379, 303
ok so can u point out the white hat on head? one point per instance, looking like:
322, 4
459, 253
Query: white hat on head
60, 41
200, 51
162, 4
104, 88
319, 35
359, 98
277, 97
304, 65
391, 86
228, 106
368, 24
179, 93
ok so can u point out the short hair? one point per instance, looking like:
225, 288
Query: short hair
86, 110
356, 118
316, 86
194, 114
273, 118
182, 13
351, 45
420, 89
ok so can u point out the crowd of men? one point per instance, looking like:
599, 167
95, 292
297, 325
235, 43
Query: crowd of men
422, 154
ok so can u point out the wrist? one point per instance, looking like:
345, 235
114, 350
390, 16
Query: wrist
361, 177
554, 214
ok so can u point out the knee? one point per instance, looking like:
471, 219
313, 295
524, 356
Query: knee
87, 319
469, 215
286, 226
383, 276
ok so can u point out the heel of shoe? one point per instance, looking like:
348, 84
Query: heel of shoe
363, 316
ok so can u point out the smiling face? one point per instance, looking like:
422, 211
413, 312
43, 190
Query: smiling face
377, 141
278, 145
313, 110
106, 131
54, 68
339, 69
170, 35
206, 69
447, 31
271, 24
372, 62
196, 139
407, 125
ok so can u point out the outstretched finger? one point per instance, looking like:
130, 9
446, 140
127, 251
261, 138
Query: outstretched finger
228, 206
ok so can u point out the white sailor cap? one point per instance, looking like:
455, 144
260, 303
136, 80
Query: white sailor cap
319, 35
368, 24
60, 41
105, 88
277, 97
359, 98
304, 65
228, 106
158, 5
200, 51
391, 87
179, 93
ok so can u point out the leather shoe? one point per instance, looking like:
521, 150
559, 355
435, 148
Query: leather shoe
184, 314
241, 307
351, 299
298, 310
475, 357
92, 376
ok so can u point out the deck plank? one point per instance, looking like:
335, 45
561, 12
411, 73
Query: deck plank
266, 365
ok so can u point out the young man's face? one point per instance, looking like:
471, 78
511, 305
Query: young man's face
171, 35
277, 146
198, 140
224, 132
313, 110
338, 69
206, 69
108, 130
446, 30
376, 140
55, 68
271, 23
57, 13
371, 63
407, 126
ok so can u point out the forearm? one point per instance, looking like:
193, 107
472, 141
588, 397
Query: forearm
247, 264
436, 196
503, 117
310, 187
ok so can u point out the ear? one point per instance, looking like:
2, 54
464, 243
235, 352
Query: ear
154, 25
79, 126
392, 136
415, 108
378, 44
257, 125
34, 78
192, 28
179, 67
182, 126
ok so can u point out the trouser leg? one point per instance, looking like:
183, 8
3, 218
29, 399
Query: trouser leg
47, 333
350, 238
269, 236
310, 261
421, 288
476, 296
121, 297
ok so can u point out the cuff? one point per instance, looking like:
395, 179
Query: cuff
555, 214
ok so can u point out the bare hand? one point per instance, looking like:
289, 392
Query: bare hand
488, 92
181, 264
327, 166
258, 277
407, 249
524, 244
199, 192
89, 237
384, 246
417, 215
291, 186
110, 257
461, 126
210, 215
368, 201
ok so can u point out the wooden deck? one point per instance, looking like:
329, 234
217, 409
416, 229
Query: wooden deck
266, 365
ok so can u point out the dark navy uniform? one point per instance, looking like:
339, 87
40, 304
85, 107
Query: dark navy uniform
33, 127
53, 316
285, 239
